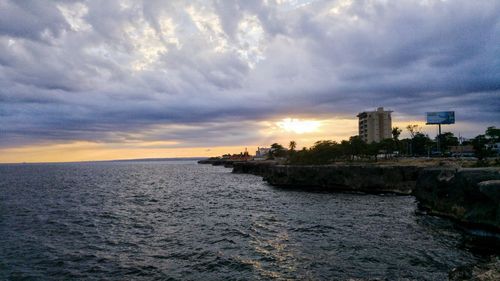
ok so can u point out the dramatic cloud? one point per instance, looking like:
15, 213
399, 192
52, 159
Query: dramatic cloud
206, 73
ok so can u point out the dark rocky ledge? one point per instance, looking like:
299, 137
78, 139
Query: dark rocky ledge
258, 168
368, 178
213, 162
470, 196
219, 162
488, 271
357, 178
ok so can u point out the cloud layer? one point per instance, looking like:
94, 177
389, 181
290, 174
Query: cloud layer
193, 71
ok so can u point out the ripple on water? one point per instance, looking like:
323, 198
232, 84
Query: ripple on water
178, 221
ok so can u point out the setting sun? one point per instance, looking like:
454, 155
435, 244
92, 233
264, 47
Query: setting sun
299, 126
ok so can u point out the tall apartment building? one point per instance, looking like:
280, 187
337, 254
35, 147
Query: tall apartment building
375, 126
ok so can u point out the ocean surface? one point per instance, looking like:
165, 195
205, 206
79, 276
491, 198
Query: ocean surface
183, 221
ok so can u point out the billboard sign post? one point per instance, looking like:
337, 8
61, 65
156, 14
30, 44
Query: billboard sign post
443, 117
438, 118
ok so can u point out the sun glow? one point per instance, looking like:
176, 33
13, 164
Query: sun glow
299, 126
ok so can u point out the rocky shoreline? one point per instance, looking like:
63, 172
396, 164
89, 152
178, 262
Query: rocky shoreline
356, 178
470, 196
219, 162
487, 271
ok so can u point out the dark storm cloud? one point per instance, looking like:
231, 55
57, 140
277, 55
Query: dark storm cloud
30, 19
111, 71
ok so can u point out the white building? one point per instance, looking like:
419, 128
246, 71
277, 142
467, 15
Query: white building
262, 153
375, 126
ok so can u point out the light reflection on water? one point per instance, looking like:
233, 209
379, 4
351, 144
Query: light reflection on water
161, 220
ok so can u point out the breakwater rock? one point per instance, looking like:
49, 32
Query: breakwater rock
362, 178
258, 168
471, 195
219, 162
488, 271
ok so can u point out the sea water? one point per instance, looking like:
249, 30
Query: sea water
182, 221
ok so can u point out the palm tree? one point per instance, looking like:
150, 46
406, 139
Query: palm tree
396, 131
292, 145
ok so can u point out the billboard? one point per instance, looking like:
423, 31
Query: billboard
443, 117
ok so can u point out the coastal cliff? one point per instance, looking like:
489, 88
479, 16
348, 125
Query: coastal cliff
258, 168
214, 162
362, 178
219, 162
471, 195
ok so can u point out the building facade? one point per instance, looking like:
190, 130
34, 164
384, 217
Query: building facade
375, 126
262, 153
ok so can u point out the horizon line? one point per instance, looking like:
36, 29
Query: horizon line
110, 160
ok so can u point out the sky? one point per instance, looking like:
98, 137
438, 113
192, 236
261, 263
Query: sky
97, 80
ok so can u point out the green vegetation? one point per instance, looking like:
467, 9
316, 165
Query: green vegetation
483, 143
277, 151
327, 151
354, 149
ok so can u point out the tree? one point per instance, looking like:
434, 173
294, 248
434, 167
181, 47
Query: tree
421, 144
324, 152
388, 146
372, 149
345, 149
405, 146
395, 133
277, 150
479, 144
292, 145
446, 140
493, 134
357, 146
413, 130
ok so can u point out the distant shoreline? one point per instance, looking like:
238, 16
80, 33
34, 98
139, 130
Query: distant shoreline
115, 160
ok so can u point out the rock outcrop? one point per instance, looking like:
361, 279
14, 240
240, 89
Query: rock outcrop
258, 168
489, 271
360, 178
471, 195
219, 162
213, 162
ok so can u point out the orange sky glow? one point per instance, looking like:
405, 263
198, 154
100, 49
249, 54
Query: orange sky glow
304, 131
